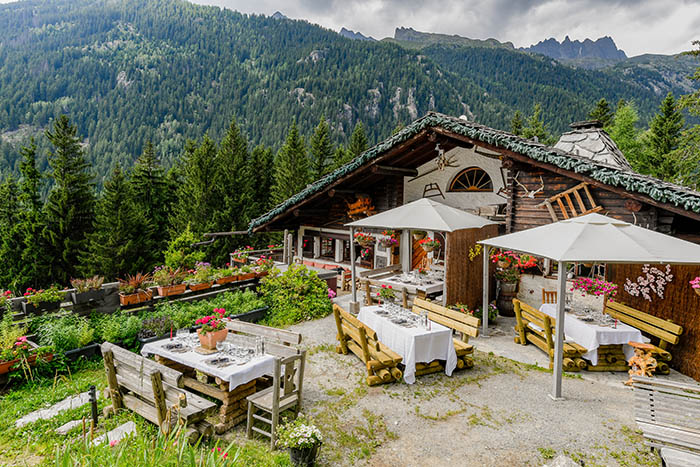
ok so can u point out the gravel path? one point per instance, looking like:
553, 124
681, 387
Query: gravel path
498, 413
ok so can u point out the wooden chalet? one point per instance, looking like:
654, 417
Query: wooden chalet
518, 182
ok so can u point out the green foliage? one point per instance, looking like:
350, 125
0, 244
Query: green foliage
115, 245
260, 173
116, 327
167, 275
663, 138
535, 127
180, 253
184, 314
516, 124
626, 135
156, 326
9, 333
11, 240
65, 333
321, 151
341, 157
602, 113
291, 167
358, 141
70, 205
52, 294
294, 295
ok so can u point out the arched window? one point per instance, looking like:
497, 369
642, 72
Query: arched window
472, 179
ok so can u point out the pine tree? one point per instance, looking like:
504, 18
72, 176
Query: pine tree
602, 113
32, 221
687, 157
291, 167
321, 152
626, 136
115, 246
153, 198
358, 141
70, 205
536, 128
341, 157
260, 172
664, 136
10, 236
516, 124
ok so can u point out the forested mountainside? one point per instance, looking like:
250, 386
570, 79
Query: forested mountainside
131, 71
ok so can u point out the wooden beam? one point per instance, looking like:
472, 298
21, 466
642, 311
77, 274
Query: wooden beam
309, 212
387, 170
340, 191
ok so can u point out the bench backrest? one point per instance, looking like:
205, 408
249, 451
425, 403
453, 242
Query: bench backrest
372, 288
672, 407
525, 314
549, 296
380, 271
467, 325
362, 340
281, 336
666, 331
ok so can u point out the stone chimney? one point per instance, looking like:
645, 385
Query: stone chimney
588, 139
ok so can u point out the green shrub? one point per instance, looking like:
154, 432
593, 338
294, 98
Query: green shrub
66, 333
116, 327
295, 295
181, 254
184, 314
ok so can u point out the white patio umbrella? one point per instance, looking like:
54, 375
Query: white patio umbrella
422, 214
587, 239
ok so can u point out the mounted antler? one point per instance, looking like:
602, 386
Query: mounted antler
528, 193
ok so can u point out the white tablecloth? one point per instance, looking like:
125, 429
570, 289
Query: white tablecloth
234, 374
413, 344
591, 336
395, 282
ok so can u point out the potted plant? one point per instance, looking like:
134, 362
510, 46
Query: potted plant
695, 284
5, 295
429, 244
477, 312
134, 289
386, 294
364, 239
246, 273
595, 286
43, 299
213, 329
154, 328
201, 277
87, 290
389, 239
302, 438
419, 234
263, 266
16, 351
240, 255
226, 275
170, 281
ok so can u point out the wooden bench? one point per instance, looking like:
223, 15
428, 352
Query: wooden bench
668, 414
666, 332
466, 325
372, 287
358, 338
155, 392
538, 328
280, 336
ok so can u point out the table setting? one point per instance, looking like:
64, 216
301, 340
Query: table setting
430, 281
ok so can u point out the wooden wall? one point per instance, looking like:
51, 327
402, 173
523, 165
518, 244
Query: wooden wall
680, 305
464, 277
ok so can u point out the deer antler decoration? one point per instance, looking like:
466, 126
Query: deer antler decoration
528, 193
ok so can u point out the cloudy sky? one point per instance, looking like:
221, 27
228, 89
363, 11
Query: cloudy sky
637, 26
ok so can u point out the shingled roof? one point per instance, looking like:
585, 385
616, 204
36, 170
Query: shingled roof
608, 174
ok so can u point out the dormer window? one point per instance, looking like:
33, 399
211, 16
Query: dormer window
472, 179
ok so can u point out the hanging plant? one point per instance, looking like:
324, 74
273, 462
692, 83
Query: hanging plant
389, 239
429, 244
596, 287
364, 239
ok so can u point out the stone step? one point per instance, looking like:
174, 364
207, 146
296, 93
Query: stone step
72, 402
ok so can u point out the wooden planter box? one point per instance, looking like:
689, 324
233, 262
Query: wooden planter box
90, 350
226, 280
89, 296
8, 366
134, 298
240, 260
200, 286
168, 290
247, 276
262, 273
29, 308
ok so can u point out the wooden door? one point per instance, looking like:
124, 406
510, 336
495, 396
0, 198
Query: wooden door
417, 253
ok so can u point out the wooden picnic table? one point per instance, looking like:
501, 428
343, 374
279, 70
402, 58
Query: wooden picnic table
230, 385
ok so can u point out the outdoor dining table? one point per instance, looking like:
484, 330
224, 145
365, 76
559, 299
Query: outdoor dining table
229, 384
428, 286
413, 344
591, 335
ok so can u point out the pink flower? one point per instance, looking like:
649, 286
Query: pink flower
113, 443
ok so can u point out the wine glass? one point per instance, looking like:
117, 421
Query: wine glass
221, 347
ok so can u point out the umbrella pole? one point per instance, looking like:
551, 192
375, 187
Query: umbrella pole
485, 292
559, 337
353, 304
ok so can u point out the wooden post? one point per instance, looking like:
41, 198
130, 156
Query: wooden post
353, 275
300, 383
275, 402
485, 293
114, 392
368, 293
404, 297
285, 249
341, 335
159, 398
519, 319
559, 338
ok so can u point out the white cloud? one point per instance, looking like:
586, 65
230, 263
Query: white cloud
637, 26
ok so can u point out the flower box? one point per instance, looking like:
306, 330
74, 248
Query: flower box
208, 340
200, 286
11, 365
90, 350
89, 296
226, 280
246, 276
168, 290
240, 260
29, 308
134, 298
262, 273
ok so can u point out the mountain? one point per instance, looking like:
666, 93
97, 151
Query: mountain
588, 54
357, 36
278, 15
131, 71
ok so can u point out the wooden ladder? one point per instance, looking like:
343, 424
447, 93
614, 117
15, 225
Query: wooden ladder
579, 192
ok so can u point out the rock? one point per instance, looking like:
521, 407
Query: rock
116, 435
69, 403
64, 429
563, 461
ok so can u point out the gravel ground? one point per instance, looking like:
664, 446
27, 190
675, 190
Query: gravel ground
498, 413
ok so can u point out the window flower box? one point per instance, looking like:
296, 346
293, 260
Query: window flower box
168, 290
135, 298
200, 286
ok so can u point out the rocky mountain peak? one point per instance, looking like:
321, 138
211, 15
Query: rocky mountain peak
602, 48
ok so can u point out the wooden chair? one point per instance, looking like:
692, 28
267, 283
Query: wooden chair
280, 336
358, 338
155, 392
666, 332
549, 296
668, 413
538, 328
285, 393
466, 325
